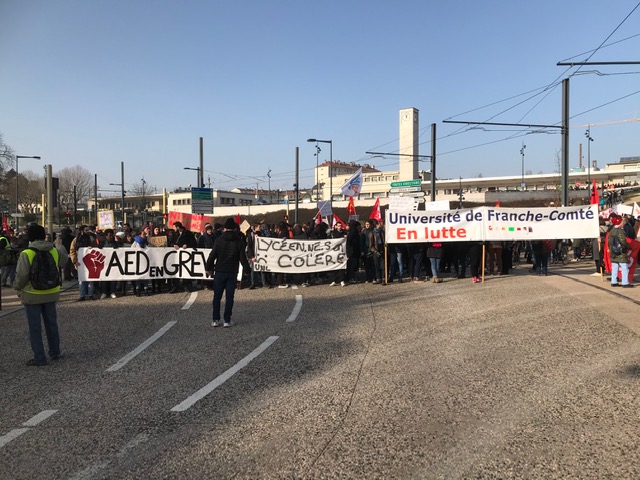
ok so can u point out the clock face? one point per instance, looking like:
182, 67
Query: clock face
406, 116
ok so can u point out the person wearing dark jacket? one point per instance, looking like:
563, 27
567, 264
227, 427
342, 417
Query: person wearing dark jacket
206, 240
227, 253
354, 252
185, 239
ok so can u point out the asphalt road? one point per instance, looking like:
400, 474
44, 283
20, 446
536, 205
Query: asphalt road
519, 377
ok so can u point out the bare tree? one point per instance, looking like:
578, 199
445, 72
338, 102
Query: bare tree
6, 156
76, 176
30, 191
141, 191
6, 162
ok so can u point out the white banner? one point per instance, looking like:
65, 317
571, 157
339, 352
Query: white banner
105, 264
284, 255
492, 223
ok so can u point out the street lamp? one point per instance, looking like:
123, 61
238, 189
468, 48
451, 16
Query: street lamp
17, 176
197, 169
121, 185
522, 153
588, 135
330, 165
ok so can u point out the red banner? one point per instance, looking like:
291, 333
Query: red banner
191, 221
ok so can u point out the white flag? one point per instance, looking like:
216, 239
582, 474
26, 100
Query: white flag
352, 187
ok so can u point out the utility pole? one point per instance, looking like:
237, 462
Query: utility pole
522, 184
269, 175
589, 140
49, 200
565, 142
201, 171
295, 185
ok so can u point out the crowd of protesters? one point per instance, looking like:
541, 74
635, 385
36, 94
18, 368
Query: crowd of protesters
369, 260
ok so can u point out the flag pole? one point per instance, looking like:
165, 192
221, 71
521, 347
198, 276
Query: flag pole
386, 268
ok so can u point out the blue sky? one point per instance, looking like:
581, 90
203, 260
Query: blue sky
100, 82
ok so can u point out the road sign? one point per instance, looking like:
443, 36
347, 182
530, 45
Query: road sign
405, 189
407, 183
202, 200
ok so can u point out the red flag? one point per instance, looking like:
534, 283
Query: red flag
351, 208
595, 198
238, 219
5, 224
498, 203
318, 218
633, 258
375, 213
336, 219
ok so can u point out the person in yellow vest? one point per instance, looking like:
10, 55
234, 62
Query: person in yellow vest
40, 305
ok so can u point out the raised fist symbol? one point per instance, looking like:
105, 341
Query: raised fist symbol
94, 261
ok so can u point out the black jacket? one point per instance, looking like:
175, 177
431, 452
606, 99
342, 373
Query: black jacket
227, 254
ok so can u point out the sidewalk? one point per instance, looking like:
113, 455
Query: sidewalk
10, 302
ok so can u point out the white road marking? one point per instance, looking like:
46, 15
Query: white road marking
32, 422
210, 387
93, 470
134, 353
192, 298
41, 417
296, 309
12, 435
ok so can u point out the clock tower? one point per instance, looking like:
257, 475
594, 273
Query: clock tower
409, 135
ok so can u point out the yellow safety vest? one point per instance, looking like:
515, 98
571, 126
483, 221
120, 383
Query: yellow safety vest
31, 254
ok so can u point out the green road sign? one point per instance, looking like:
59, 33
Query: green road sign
407, 183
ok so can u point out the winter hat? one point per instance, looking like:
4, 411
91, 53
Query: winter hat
208, 226
230, 224
616, 219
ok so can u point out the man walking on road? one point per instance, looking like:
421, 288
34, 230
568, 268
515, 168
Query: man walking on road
223, 262
40, 304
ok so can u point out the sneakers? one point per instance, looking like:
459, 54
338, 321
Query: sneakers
215, 323
476, 280
284, 285
615, 284
415, 280
305, 284
228, 324
333, 284
113, 295
33, 363
628, 286
103, 296
342, 284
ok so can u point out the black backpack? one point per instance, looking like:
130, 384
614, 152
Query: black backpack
615, 246
44, 273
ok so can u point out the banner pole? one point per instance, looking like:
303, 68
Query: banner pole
483, 260
386, 272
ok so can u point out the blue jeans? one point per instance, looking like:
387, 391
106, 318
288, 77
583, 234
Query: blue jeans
624, 268
223, 282
86, 289
435, 266
35, 315
400, 264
